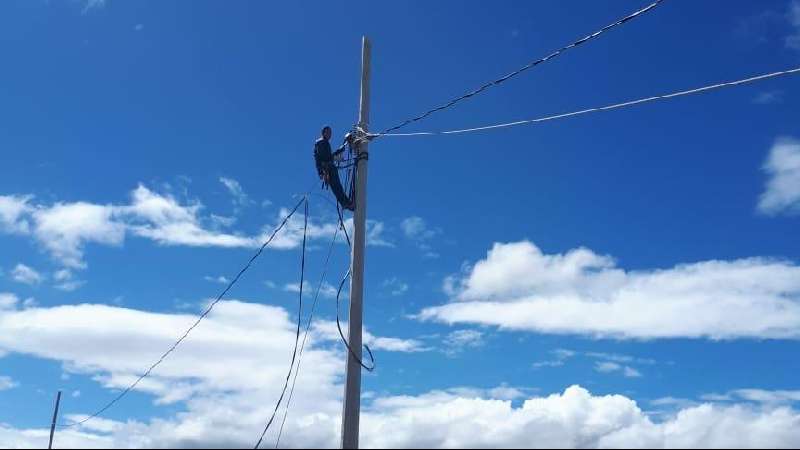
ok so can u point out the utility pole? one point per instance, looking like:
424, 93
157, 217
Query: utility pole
55, 419
352, 392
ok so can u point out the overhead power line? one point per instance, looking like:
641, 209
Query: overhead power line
597, 109
305, 335
523, 69
196, 323
297, 334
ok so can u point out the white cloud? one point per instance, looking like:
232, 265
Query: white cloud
93, 4
7, 383
326, 330
549, 363
30, 303
782, 194
416, 229
606, 366
62, 275
456, 418
518, 287
757, 395
574, 419
220, 279
138, 27
13, 212
291, 236
374, 233
162, 219
326, 290
394, 286
561, 356
461, 340
8, 301
619, 358
26, 275
66, 281
225, 378
240, 198
64, 229
630, 372
608, 362
218, 222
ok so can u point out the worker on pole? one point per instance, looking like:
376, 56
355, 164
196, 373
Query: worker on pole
327, 170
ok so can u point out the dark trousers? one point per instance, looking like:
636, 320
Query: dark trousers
336, 186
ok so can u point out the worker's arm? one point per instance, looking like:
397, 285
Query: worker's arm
337, 155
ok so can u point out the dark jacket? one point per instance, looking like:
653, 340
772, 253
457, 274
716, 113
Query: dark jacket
323, 156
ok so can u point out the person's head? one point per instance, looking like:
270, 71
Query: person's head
327, 133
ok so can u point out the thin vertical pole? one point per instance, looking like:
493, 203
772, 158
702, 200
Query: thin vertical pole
352, 393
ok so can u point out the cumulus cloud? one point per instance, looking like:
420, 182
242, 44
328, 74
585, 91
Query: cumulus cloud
64, 229
162, 219
782, 193
223, 380
26, 275
232, 362
13, 212
519, 287
464, 418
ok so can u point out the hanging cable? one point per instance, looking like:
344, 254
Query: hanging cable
297, 333
522, 69
196, 323
358, 359
602, 108
338, 296
305, 336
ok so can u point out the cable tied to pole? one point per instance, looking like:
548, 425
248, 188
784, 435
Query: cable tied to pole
602, 108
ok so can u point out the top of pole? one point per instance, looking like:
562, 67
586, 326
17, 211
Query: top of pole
366, 52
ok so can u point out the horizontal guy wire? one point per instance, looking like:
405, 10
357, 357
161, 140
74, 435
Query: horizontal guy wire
601, 108
524, 68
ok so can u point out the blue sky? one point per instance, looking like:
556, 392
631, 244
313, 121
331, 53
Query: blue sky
637, 266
